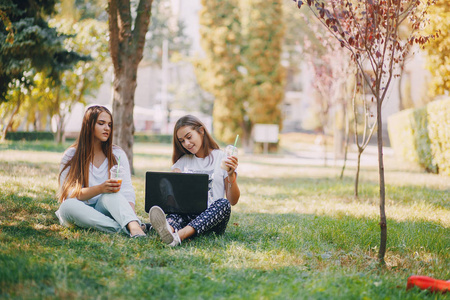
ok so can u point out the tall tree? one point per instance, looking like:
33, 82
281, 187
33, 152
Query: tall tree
127, 32
370, 31
243, 43
438, 58
218, 73
264, 29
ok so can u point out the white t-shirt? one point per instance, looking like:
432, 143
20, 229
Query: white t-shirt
99, 175
210, 165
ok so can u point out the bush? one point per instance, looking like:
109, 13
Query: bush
439, 133
30, 136
423, 136
50, 136
153, 138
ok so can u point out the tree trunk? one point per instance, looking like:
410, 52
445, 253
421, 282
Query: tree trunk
324, 148
123, 105
60, 132
339, 130
60, 124
9, 123
126, 44
400, 89
358, 167
346, 140
383, 224
247, 138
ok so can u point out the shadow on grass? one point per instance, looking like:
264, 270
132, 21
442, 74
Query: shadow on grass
273, 254
276, 255
260, 256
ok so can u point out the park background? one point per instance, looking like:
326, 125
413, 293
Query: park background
307, 223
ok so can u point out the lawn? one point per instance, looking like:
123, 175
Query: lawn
296, 233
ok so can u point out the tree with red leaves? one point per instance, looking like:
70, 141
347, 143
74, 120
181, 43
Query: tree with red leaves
329, 78
369, 29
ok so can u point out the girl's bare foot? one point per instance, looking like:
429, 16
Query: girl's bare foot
135, 229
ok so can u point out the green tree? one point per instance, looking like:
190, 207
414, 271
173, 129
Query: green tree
46, 97
87, 76
264, 31
220, 31
243, 45
126, 44
438, 59
35, 45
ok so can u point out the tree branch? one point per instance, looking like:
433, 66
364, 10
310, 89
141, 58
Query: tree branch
141, 27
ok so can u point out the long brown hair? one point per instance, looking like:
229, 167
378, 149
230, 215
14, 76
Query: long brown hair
208, 143
78, 175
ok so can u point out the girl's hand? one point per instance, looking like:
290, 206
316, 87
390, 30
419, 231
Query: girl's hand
232, 163
231, 187
111, 186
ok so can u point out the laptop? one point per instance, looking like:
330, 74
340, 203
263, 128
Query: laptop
180, 193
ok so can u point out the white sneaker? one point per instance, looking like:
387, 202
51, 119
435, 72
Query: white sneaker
162, 227
176, 239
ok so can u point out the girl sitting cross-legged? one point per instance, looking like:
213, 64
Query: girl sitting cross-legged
195, 151
89, 197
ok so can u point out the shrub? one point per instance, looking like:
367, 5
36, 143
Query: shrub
153, 138
439, 133
30, 136
423, 136
50, 136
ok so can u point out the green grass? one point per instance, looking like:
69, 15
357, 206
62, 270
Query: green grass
297, 233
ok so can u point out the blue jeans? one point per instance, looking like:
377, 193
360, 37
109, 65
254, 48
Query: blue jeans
111, 213
214, 219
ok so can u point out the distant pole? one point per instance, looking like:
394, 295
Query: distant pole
112, 89
164, 106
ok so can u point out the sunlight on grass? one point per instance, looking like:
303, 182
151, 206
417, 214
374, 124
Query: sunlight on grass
297, 232
240, 256
30, 156
336, 207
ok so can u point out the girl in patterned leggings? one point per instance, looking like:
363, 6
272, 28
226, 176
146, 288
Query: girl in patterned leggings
195, 151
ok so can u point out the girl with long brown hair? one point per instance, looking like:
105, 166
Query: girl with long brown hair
195, 151
89, 197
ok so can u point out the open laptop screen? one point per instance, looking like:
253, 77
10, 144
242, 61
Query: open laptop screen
182, 193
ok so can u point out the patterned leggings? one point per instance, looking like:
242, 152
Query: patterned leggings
215, 218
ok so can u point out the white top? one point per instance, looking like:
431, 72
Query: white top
99, 175
210, 165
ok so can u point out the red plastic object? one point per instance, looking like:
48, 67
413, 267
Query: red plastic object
428, 283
